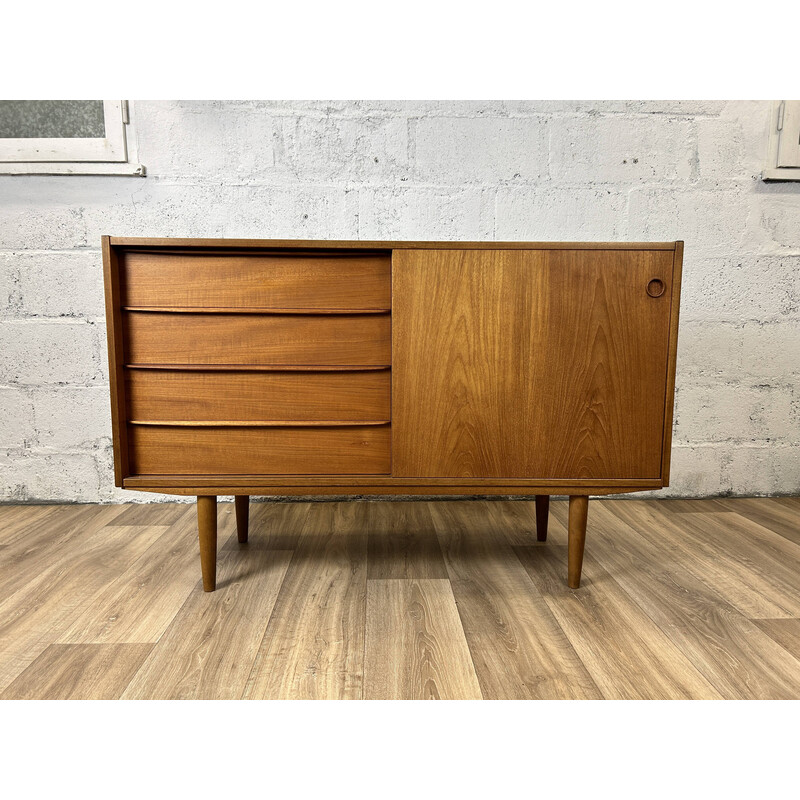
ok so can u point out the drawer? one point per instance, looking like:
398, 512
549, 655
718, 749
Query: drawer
158, 395
332, 280
348, 450
258, 339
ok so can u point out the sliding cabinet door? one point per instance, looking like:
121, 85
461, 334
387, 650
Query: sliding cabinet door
530, 363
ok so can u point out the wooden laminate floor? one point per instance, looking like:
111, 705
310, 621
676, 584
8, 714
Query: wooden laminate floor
453, 599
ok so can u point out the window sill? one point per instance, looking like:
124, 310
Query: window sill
72, 168
781, 174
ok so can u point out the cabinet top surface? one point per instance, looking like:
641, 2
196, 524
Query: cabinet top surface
124, 241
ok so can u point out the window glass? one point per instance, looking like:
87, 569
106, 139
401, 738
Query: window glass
52, 119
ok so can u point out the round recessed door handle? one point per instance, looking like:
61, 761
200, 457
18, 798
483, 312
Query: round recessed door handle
656, 287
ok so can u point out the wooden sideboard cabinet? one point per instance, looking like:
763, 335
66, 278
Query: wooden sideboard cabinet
266, 367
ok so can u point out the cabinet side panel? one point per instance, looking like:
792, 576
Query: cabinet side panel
113, 294
669, 398
543, 364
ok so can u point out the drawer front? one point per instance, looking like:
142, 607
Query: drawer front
258, 339
355, 281
156, 395
349, 450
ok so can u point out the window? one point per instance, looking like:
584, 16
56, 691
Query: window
784, 142
57, 137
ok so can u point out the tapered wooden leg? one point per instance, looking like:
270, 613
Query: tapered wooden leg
242, 502
542, 513
578, 511
207, 528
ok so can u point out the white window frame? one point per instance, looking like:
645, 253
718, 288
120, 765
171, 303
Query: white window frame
783, 162
111, 155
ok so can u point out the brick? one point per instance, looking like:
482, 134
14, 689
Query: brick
525, 213
721, 151
9, 284
688, 108
17, 428
180, 142
367, 149
425, 213
779, 223
675, 108
586, 108
765, 288
60, 478
708, 225
56, 284
457, 151
342, 109
601, 149
155, 209
301, 212
720, 412
733, 146
37, 352
49, 226
763, 470
694, 471
771, 350
251, 139
708, 348
69, 418
204, 141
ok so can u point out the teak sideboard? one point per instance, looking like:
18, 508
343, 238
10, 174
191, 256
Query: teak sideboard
270, 367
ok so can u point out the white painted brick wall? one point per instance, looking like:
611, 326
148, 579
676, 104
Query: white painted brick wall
469, 150
620, 170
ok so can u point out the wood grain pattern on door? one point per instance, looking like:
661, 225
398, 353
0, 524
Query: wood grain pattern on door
515, 363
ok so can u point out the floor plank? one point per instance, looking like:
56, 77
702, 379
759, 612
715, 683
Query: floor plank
273, 526
402, 542
754, 569
415, 647
152, 513
774, 513
786, 632
140, 604
517, 646
708, 505
17, 520
314, 644
208, 650
626, 653
730, 651
51, 540
519, 522
36, 615
79, 672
